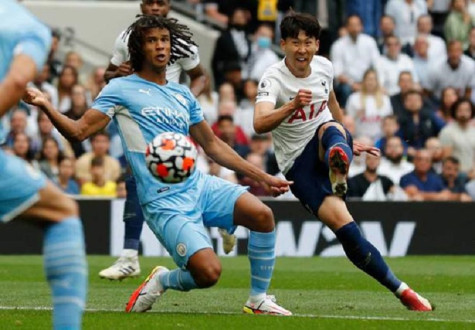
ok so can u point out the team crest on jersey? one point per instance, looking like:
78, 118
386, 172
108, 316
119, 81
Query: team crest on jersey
265, 83
181, 249
324, 84
181, 99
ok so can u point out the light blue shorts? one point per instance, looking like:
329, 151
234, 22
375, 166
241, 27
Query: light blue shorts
179, 220
19, 186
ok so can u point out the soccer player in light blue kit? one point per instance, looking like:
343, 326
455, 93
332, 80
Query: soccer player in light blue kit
144, 105
26, 193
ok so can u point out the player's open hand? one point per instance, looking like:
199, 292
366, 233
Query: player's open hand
359, 148
35, 97
276, 186
303, 98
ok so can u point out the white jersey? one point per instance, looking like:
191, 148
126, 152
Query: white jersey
121, 54
279, 86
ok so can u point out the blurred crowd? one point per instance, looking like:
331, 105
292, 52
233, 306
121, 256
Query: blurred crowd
404, 73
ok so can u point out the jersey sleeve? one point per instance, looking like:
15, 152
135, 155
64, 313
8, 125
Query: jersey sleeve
109, 99
196, 113
36, 46
189, 63
120, 54
268, 89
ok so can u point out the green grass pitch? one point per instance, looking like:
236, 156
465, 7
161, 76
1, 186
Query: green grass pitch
323, 293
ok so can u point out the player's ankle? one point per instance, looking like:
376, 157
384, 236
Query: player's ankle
401, 289
129, 253
257, 297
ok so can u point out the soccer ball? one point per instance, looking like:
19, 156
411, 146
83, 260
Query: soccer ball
171, 157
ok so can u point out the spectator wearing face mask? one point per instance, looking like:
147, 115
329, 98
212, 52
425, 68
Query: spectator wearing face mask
262, 56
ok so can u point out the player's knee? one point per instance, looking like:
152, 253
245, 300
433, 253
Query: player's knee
208, 275
265, 219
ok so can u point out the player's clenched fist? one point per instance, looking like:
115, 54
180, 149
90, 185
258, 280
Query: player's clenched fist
124, 69
303, 98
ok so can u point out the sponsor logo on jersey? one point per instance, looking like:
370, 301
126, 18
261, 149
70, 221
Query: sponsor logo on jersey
145, 91
163, 189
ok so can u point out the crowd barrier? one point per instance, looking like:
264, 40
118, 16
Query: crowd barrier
395, 228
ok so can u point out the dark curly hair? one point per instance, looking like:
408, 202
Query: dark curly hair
180, 38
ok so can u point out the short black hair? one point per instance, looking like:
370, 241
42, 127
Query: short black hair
451, 159
100, 133
180, 38
97, 162
411, 92
456, 105
293, 23
347, 20
225, 118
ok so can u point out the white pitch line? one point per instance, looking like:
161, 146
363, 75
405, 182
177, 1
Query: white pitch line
315, 316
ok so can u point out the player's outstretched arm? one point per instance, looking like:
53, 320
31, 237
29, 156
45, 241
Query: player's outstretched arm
12, 88
113, 71
74, 130
224, 155
266, 117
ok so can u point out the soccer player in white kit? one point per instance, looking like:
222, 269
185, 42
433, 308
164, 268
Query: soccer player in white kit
128, 263
296, 102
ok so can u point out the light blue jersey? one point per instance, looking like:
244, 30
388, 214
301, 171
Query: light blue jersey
32, 39
142, 109
20, 33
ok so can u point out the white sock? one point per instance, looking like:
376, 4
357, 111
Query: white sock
257, 298
401, 289
129, 253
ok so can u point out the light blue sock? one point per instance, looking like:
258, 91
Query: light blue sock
262, 258
66, 271
177, 279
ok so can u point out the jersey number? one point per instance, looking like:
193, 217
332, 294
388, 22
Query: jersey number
299, 114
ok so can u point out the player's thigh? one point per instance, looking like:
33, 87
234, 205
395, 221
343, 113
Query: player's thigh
26, 192
217, 201
334, 213
178, 227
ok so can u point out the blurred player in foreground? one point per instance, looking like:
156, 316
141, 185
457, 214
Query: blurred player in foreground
297, 103
128, 263
144, 105
26, 193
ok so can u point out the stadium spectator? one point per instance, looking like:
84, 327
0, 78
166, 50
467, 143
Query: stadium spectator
436, 45
421, 59
227, 133
470, 52
422, 184
261, 144
228, 108
457, 72
226, 92
75, 60
47, 130
370, 12
67, 79
405, 83
369, 106
79, 102
458, 23
393, 164
434, 146
100, 143
41, 82
22, 148
245, 112
96, 82
209, 101
53, 63
454, 180
349, 123
352, 55
99, 185
390, 66
65, 179
390, 127
458, 137
262, 56
448, 98
232, 46
121, 189
387, 28
18, 124
49, 158
439, 10
406, 14
369, 185
255, 187
416, 126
